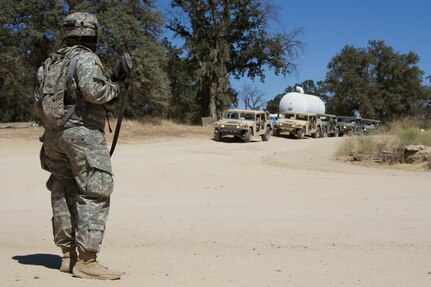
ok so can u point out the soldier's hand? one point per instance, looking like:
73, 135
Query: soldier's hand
123, 68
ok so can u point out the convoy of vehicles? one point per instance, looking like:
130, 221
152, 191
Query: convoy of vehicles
246, 124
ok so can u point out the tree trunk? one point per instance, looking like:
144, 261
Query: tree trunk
212, 107
208, 97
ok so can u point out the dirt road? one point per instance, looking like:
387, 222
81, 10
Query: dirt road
194, 212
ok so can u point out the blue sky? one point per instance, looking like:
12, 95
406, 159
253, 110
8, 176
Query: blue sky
331, 24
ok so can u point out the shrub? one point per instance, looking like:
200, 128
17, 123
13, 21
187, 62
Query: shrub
413, 136
408, 136
389, 145
346, 148
366, 145
426, 138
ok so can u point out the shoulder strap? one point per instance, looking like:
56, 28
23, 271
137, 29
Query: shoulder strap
71, 72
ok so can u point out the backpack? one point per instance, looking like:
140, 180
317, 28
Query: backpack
55, 79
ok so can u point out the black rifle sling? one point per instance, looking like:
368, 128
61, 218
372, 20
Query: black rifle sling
123, 97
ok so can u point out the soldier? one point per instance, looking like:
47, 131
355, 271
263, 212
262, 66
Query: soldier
75, 152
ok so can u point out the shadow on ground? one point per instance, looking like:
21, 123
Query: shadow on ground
47, 260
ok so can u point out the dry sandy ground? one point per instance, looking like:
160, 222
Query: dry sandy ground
194, 212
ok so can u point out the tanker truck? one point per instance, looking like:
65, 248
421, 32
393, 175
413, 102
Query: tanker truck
300, 102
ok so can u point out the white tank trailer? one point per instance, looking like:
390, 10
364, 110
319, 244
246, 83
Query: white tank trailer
300, 102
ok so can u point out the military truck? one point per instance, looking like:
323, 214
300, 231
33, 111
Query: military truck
349, 125
369, 125
298, 124
329, 125
243, 124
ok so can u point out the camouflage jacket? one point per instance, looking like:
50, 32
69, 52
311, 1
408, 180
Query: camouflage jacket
90, 90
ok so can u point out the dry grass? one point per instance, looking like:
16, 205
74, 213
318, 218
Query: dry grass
131, 131
150, 129
388, 146
379, 148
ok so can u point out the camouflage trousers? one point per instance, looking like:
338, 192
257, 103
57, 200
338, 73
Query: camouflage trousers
80, 183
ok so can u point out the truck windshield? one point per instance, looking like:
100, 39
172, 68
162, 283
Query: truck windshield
289, 116
231, 115
301, 117
247, 116
346, 120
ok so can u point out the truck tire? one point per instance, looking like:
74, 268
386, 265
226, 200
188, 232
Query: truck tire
276, 132
324, 132
247, 136
217, 135
300, 133
265, 136
337, 132
316, 135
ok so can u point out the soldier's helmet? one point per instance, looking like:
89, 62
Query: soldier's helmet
79, 24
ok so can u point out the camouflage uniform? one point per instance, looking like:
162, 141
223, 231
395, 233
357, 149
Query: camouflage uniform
78, 158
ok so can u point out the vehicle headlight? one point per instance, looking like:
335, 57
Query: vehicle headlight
222, 126
344, 127
280, 124
237, 127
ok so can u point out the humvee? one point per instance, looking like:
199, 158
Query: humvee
369, 125
243, 124
329, 125
349, 125
298, 124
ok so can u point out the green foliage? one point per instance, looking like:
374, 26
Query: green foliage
348, 80
414, 136
273, 105
225, 38
183, 106
30, 31
222, 39
376, 82
25, 39
133, 27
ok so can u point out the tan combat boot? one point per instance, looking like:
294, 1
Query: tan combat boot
69, 259
87, 267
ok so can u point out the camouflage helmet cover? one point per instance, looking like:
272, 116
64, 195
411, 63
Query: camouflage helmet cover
79, 24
